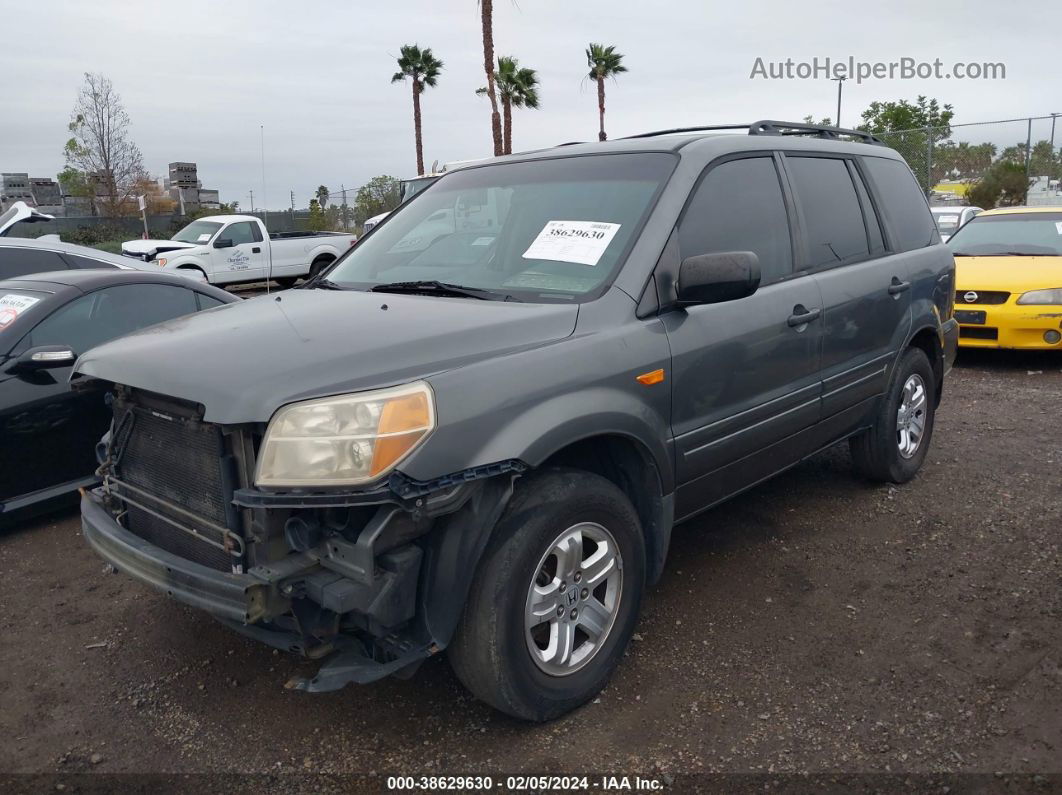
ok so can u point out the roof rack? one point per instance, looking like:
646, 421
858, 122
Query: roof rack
769, 127
677, 130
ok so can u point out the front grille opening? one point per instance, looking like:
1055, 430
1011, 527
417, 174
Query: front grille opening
992, 297
979, 332
168, 453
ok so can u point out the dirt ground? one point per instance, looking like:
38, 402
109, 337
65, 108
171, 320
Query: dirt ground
817, 624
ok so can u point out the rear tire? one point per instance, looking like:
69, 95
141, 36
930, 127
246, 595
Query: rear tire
533, 641
319, 265
287, 281
893, 450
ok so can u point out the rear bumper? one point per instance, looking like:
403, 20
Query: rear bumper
236, 597
1014, 326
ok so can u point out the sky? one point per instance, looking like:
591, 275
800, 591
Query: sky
207, 81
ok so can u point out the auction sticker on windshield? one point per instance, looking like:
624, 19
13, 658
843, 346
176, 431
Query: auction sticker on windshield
572, 241
12, 305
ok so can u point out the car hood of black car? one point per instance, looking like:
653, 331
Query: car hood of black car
243, 361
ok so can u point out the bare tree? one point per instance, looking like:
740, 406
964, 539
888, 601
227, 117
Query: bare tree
100, 147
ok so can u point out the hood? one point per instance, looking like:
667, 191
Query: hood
243, 361
1007, 274
150, 248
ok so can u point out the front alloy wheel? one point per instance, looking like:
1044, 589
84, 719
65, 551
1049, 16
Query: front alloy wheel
555, 597
573, 599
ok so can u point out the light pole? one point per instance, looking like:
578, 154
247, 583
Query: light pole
840, 83
1053, 117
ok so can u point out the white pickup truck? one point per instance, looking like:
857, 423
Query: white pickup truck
237, 248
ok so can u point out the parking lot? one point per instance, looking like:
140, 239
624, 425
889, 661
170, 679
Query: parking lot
817, 623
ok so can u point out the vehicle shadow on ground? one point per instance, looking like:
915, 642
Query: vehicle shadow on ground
1008, 360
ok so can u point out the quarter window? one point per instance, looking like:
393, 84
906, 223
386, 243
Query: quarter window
904, 203
832, 216
739, 206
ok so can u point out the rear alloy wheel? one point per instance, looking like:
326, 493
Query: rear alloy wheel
555, 597
894, 448
911, 416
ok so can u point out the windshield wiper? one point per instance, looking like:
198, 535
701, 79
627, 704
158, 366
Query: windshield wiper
326, 284
436, 288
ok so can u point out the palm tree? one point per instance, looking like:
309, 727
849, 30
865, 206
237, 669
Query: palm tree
603, 62
486, 12
423, 68
517, 88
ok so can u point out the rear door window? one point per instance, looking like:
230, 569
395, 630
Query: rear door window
833, 219
78, 261
904, 205
739, 206
870, 215
16, 261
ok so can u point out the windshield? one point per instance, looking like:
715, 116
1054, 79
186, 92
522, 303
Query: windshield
14, 303
947, 222
197, 232
545, 230
1013, 233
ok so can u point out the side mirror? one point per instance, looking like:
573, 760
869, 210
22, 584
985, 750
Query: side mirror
45, 357
714, 278
224, 242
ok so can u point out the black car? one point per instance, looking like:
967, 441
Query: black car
49, 432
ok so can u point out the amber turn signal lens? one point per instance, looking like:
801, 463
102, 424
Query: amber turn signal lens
403, 422
654, 377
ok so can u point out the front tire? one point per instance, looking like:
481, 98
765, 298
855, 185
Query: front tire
893, 450
555, 597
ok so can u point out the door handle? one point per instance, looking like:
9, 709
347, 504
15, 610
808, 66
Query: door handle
256, 250
802, 316
898, 287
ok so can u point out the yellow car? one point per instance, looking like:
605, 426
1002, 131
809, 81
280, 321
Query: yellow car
1008, 278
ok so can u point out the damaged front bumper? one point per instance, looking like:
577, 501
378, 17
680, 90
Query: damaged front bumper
234, 597
369, 602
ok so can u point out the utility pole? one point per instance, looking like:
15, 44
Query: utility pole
343, 190
251, 194
1053, 117
840, 83
293, 209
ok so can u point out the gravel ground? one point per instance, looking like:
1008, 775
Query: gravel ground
818, 624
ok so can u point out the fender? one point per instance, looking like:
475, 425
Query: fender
175, 263
322, 248
542, 426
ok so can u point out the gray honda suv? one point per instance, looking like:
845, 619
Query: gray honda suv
475, 432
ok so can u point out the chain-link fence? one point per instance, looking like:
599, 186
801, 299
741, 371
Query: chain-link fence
987, 164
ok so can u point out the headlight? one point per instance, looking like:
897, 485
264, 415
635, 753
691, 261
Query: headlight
162, 262
345, 440
1053, 296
